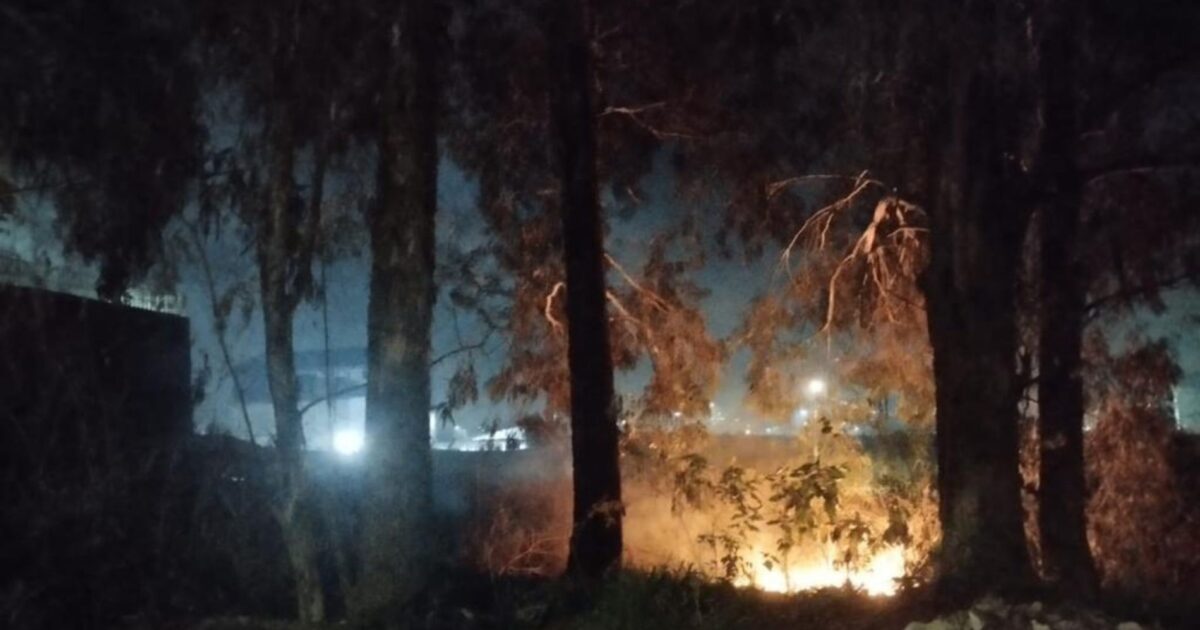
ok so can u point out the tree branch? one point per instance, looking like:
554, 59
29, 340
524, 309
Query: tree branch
1139, 167
219, 323
655, 299
470, 347
557, 325
634, 114
823, 217
1138, 291
436, 360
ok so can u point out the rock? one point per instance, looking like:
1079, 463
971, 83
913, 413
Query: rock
936, 624
990, 604
991, 613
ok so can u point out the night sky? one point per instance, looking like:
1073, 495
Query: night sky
733, 282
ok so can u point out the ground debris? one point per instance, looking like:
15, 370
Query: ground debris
991, 613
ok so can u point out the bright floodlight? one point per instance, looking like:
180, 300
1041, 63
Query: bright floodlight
816, 387
348, 441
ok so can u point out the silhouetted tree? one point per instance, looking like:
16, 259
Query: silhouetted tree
1065, 558
1109, 236
398, 543
99, 113
500, 128
279, 59
596, 537
933, 123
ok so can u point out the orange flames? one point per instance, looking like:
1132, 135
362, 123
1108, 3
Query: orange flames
878, 577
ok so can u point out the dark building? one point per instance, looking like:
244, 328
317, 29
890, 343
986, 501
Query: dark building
94, 399
86, 383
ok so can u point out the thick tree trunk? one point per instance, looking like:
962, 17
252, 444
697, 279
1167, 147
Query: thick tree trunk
1066, 559
398, 540
970, 286
596, 537
295, 513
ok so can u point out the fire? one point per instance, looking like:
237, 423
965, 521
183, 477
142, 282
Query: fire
877, 578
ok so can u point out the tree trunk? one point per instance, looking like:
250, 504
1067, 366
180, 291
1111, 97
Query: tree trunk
398, 543
295, 513
1066, 559
970, 287
596, 536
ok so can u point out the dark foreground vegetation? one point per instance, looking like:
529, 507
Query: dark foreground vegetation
203, 550
682, 599
659, 599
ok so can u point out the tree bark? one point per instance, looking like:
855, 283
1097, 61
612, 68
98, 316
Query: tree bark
596, 536
398, 542
1066, 559
970, 286
275, 251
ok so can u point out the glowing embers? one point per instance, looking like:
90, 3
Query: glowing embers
878, 577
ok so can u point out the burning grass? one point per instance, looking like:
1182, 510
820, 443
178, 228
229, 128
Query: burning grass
881, 574
780, 517
784, 515
692, 562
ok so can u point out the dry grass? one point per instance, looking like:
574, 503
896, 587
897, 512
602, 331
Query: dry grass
1144, 532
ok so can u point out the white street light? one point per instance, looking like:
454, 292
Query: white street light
348, 441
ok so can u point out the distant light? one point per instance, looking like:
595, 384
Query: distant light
348, 441
816, 387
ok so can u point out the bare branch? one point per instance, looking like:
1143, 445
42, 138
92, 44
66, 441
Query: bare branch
823, 217
634, 114
468, 347
655, 299
612, 297
548, 311
350, 389
219, 323
872, 249
634, 322
632, 111
774, 188
1147, 167
1138, 291
334, 395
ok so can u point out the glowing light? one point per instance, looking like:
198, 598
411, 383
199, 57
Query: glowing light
877, 578
348, 441
816, 387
